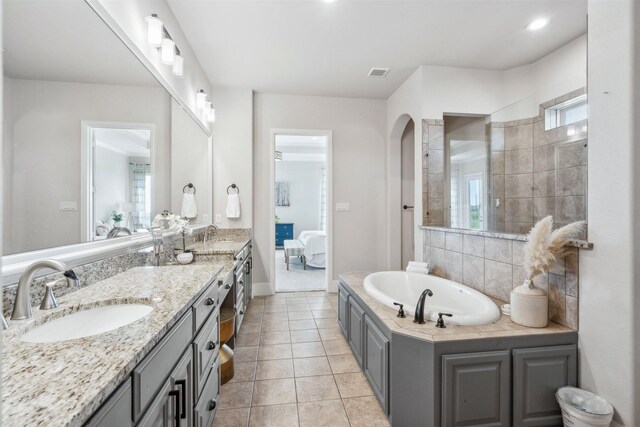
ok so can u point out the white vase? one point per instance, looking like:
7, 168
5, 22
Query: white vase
185, 257
530, 306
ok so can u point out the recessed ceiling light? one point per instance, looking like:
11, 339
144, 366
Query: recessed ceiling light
537, 24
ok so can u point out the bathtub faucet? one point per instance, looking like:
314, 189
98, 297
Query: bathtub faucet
419, 314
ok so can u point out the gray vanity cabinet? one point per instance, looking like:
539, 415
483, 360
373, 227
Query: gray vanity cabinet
537, 374
161, 412
116, 412
376, 363
343, 311
205, 409
356, 329
476, 389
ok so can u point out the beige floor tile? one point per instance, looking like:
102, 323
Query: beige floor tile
274, 416
279, 337
353, 385
275, 351
278, 326
343, 364
299, 325
311, 366
250, 327
365, 412
243, 371
311, 299
334, 347
306, 335
243, 354
324, 314
311, 389
296, 300
232, 417
330, 334
298, 307
326, 323
275, 308
236, 395
248, 339
300, 315
274, 392
275, 316
307, 349
274, 369
320, 305
325, 413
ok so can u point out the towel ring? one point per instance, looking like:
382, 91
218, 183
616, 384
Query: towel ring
235, 187
189, 185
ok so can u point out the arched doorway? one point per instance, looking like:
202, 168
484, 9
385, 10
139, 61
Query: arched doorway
407, 194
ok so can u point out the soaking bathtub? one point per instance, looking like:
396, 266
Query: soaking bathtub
468, 306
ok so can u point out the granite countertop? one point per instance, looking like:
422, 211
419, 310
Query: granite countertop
63, 383
219, 247
504, 327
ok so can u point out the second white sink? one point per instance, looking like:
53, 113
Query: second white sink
86, 323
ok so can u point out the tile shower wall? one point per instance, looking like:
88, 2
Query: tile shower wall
433, 182
494, 266
537, 172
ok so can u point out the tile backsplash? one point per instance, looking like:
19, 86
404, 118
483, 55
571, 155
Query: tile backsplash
493, 265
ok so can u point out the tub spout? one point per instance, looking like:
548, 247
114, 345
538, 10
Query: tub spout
418, 317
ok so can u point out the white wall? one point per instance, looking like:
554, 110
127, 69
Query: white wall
111, 182
358, 127
44, 134
233, 154
408, 177
305, 182
190, 163
609, 295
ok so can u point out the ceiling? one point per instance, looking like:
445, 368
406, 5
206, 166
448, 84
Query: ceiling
301, 148
310, 47
64, 40
128, 142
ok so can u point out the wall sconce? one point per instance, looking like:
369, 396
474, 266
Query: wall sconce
154, 30
159, 37
178, 65
168, 51
201, 99
210, 113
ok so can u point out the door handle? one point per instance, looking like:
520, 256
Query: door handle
183, 394
176, 394
405, 207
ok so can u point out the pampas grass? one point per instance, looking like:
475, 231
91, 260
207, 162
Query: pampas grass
545, 245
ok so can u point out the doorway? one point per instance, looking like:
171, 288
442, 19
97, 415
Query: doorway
407, 189
301, 188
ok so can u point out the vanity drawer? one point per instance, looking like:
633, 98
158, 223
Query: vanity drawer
205, 349
115, 412
207, 406
151, 373
205, 305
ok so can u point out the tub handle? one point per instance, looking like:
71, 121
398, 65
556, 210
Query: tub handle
401, 310
440, 322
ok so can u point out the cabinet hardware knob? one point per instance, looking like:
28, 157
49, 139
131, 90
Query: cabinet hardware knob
227, 286
212, 404
210, 301
241, 312
240, 282
211, 345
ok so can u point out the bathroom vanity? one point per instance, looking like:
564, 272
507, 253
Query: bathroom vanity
501, 374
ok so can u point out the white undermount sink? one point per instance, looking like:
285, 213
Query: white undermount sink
86, 323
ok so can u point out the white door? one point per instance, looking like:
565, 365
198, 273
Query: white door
407, 196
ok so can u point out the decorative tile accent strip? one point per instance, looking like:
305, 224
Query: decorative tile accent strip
492, 264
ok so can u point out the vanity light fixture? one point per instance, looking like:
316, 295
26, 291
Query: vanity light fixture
201, 100
154, 30
168, 51
210, 113
537, 24
178, 65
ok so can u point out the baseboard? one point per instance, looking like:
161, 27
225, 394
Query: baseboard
261, 289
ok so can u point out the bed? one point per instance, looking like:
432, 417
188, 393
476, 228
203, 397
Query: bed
315, 248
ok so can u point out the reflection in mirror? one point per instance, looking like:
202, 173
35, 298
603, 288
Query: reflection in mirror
75, 151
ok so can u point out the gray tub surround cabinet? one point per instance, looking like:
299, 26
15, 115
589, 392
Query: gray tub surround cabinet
491, 263
161, 367
501, 374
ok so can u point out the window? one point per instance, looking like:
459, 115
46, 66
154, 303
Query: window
566, 113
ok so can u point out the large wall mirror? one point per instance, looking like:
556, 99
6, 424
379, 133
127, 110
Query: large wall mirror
528, 159
87, 131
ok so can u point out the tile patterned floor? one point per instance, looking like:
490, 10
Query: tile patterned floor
294, 368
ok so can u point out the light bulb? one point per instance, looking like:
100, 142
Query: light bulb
154, 30
178, 66
201, 100
210, 113
168, 52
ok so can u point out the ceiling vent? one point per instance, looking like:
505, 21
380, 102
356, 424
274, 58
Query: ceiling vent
378, 72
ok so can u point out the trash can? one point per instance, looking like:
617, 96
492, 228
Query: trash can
581, 408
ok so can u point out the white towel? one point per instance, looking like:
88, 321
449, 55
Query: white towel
418, 267
189, 209
233, 206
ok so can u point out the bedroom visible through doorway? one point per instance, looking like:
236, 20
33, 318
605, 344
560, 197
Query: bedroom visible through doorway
300, 208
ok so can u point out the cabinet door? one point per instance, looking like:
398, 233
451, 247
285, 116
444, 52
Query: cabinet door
356, 329
182, 382
537, 374
161, 412
476, 389
343, 311
376, 359
115, 412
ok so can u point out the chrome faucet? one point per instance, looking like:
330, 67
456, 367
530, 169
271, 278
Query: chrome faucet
22, 304
418, 316
206, 232
156, 233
